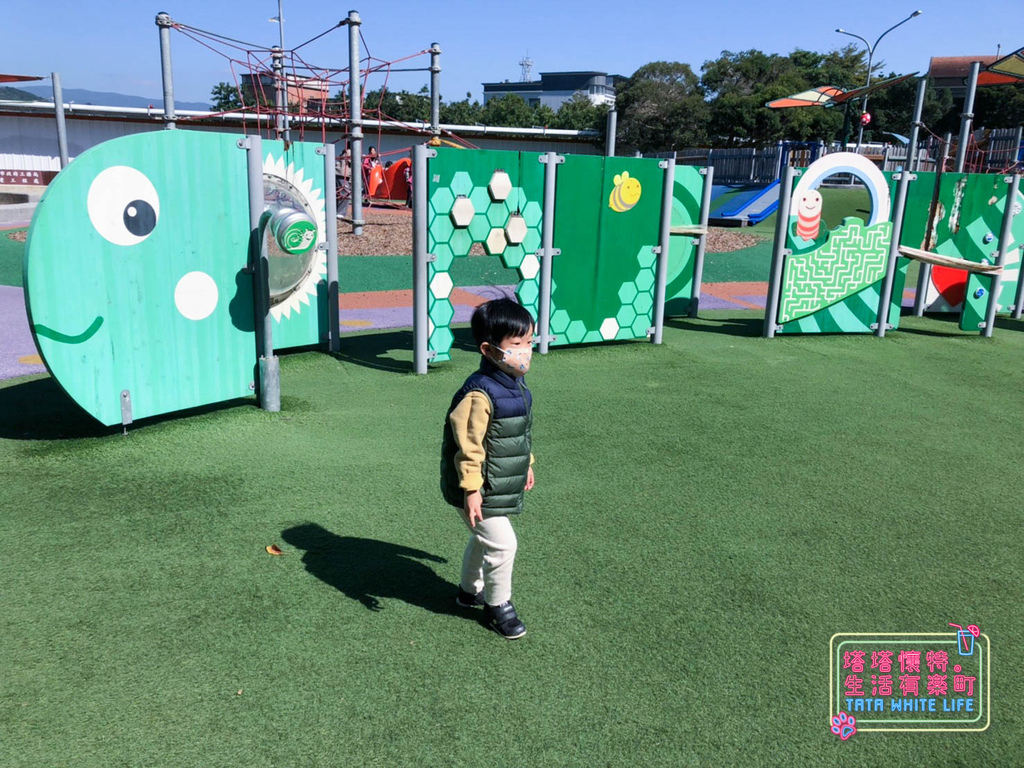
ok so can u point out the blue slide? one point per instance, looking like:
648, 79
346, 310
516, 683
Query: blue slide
754, 208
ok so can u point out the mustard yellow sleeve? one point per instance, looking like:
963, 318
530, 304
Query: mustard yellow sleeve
469, 421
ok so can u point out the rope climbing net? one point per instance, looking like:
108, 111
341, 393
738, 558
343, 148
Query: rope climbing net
282, 90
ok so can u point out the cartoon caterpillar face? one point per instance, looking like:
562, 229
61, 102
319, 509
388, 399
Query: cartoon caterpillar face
808, 212
626, 193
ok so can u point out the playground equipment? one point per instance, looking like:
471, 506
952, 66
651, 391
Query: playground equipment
749, 206
850, 280
836, 284
601, 245
287, 95
755, 203
169, 304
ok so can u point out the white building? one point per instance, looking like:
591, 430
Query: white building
555, 88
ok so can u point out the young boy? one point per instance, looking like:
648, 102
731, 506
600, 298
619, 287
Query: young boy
486, 462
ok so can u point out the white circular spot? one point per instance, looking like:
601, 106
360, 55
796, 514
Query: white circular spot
196, 295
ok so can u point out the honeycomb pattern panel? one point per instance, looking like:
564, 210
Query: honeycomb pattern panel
487, 198
606, 236
631, 321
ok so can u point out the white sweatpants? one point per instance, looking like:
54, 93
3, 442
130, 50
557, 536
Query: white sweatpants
488, 559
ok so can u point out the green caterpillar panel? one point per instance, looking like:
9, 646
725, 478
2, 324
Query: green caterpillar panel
686, 194
489, 197
832, 281
294, 178
607, 216
134, 276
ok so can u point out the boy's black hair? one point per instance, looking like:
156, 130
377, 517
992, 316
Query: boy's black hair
498, 319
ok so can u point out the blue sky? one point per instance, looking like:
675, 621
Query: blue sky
113, 46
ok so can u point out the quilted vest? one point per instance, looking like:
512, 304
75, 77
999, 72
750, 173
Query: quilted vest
507, 442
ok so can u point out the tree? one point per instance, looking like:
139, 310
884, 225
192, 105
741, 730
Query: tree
741, 83
224, 97
661, 107
893, 108
461, 112
1000, 106
580, 114
398, 105
509, 110
545, 116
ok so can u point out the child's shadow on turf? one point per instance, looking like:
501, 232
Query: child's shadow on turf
367, 569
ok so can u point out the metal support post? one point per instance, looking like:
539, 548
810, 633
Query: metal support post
611, 126
698, 256
967, 117
420, 257
915, 124
355, 122
331, 213
435, 89
1018, 301
1005, 239
58, 110
924, 275
269, 367
947, 144
280, 92
164, 22
885, 299
548, 252
779, 251
664, 239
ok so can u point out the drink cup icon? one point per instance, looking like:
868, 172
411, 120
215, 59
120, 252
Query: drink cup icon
965, 638
965, 642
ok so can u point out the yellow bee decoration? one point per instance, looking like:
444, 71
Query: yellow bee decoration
626, 193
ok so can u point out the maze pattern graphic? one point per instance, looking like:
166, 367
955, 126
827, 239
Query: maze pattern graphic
852, 258
492, 198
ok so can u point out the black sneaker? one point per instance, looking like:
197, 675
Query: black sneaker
504, 620
468, 599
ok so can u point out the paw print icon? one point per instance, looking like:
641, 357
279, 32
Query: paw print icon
843, 726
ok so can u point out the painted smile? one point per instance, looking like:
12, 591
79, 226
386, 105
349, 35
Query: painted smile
85, 335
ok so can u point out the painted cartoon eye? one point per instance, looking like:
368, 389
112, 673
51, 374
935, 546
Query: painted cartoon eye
123, 205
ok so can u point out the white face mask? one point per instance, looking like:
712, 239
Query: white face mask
515, 362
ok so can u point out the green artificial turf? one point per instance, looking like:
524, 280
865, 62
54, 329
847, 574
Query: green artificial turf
11, 258
745, 265
707, 514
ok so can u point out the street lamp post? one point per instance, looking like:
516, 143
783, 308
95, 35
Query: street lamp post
871, 57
